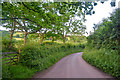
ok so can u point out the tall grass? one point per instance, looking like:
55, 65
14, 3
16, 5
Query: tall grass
16, 71
42, 56
106, 60
36, 57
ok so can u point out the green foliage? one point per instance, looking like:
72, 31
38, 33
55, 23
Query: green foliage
4, 33
6, 42
16, 71
46, 17
36, 57
103, 47
107, 33
78, 39
17, 36
106, 60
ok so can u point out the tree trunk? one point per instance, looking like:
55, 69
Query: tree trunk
42, 37
11, 36
53, 39
25, 37
63, 38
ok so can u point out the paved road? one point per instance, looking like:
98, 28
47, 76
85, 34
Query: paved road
72, 66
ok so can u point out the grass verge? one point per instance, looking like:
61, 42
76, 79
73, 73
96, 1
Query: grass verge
37, 57
106, 60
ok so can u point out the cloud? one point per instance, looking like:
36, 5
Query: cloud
101, 11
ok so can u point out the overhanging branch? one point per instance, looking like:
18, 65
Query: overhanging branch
30, 8
20, 18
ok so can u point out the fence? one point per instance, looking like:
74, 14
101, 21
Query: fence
11, 57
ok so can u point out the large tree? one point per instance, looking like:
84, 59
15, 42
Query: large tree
45, 16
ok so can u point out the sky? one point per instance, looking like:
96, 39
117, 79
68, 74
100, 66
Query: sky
101, 11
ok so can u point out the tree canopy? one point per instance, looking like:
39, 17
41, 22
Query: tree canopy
46, 17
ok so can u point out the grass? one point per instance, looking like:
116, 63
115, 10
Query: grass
37, 57
16, 71
18, 38
106, 60
18, 33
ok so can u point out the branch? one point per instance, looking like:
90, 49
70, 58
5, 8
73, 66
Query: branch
20, 18
19, 24
10, 18
29, 8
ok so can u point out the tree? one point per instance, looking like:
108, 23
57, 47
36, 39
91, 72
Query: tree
107, 33
43, 17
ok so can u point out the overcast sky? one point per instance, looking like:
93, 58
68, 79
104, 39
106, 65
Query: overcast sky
101, 11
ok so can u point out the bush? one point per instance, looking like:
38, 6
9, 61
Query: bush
41, 56
106, 60
16, 71
6, 43
37, 57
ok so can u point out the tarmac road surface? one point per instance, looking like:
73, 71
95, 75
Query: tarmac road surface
72, 66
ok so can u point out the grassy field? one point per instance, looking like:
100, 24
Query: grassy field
18, 36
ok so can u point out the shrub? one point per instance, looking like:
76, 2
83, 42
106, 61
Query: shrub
16, 71
6, 42
106, 60
35, 56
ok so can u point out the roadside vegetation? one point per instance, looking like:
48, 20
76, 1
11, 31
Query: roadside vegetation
44, 32
36, 57
103, 46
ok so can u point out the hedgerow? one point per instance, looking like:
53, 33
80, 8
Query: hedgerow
103, 46
106, 60
36, 57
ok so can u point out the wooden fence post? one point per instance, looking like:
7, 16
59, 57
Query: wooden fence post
18, 56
